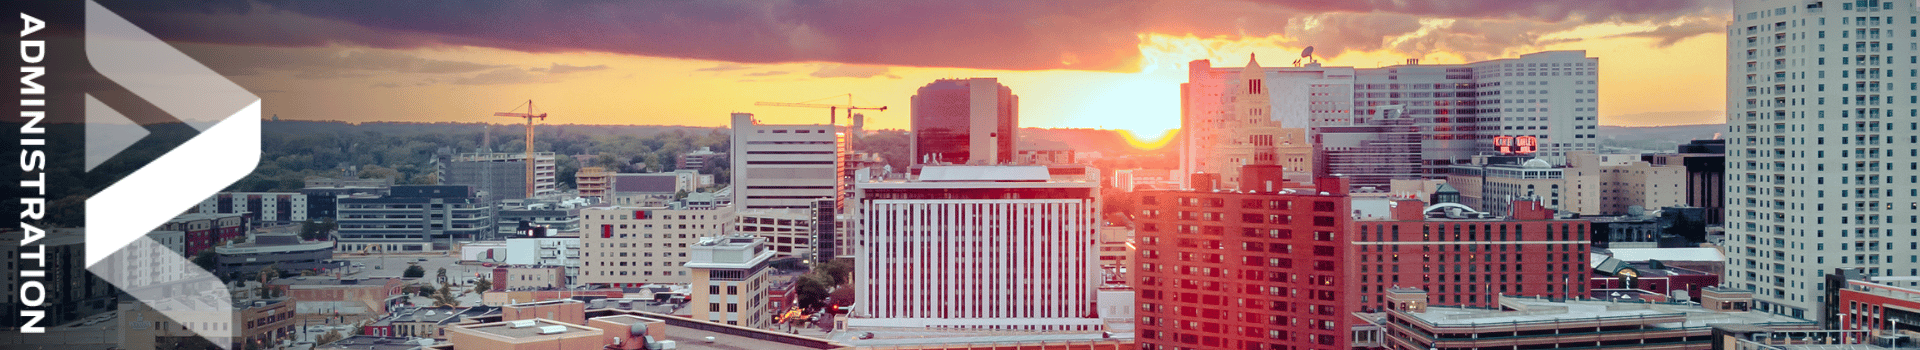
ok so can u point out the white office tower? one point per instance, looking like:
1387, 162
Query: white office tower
978, 247
778, 167
1821, 158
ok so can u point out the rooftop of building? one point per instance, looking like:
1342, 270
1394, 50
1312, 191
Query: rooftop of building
984, 176
529, 329
646, 183
368, 342
439, 315
273, 243
1541, 310
1666, 254
204, 216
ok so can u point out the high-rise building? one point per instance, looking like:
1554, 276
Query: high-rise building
782, 166
1460, 110
630, 247
1820, 147
984, 247
965, 121
502, 175
730, 283
1253, 269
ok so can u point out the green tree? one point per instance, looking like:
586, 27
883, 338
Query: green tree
443, 275
482, 285
266, 275
425, 291
206, 259
443, 296
374, 171
414, 271
317, 231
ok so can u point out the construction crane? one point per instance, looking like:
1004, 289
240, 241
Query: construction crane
529, 115
833, 111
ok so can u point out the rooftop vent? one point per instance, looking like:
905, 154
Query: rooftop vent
522, 324
553, 329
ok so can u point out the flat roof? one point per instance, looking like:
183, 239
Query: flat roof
505, 329
1667, 254
984, 173
1542, 310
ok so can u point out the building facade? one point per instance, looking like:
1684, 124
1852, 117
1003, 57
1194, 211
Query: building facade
730, 283
284, 252
1820, 145
503, 175
783, 166
965, 121
412, 219
789, 233
275, 208
563, 252
593, 182
1459, 110
988, 247
1463, 257
1248, 270
630, 247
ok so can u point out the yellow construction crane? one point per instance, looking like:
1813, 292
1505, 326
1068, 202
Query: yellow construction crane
529, 115
833, 111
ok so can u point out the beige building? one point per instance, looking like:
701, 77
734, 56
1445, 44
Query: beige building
592, 181
529, 277
730, 281
789, 232
1230, 121
1591, 184
630, 247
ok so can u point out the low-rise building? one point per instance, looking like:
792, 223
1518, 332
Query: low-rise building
633, 246
285, 252
1537, 323
529, 277
730, 280
277, 208
562, 252
203, 231
1880, 305
592, 182
413, 219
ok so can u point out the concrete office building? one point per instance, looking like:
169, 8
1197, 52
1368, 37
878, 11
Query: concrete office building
413, 219
789, 233
783, 166
266, 208
698, 159
965, 121
1459, 110
730, 281
323, 193
502, 175
984, 247
630, 247
1820, 146
1245, 270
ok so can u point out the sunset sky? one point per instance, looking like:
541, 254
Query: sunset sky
1075, 63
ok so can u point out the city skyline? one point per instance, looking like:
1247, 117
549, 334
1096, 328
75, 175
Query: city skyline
1111, 66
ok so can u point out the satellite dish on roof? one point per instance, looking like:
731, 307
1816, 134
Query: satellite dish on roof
1308, 52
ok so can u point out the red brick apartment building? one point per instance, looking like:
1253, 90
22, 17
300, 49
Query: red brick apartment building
1462, 257
1867, 305
1254, 270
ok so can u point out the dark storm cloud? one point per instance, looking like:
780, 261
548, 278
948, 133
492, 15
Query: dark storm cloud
987, 34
